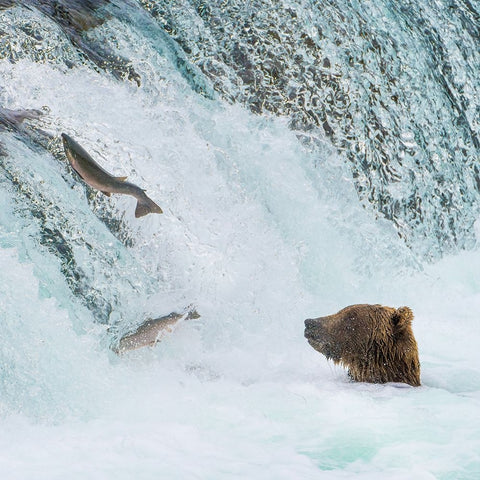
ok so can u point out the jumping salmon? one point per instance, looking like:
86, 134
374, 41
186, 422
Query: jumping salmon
95, 176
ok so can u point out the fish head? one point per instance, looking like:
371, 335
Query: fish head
67, 141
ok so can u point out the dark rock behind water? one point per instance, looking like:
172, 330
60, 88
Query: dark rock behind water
393, 86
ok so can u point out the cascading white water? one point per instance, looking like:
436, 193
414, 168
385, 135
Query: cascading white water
259, 232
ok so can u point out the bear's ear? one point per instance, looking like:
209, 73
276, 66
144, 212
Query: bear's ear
402, 318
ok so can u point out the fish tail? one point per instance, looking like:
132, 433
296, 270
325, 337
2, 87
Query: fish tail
145, 206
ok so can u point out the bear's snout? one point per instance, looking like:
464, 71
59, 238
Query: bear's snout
312, 327
309, 323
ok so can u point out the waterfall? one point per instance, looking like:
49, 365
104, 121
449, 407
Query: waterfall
307, 156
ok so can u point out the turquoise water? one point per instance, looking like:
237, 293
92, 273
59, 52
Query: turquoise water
260, 230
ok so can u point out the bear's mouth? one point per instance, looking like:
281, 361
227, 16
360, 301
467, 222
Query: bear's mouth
324, 348
308, 332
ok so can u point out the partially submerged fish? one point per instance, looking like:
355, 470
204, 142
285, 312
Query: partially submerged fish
152, 331
95, 176
11, 119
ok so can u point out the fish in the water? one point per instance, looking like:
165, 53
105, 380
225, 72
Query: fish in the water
152, 331
11, 119
95, 176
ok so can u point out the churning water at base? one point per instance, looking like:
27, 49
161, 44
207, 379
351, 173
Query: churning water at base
259, 232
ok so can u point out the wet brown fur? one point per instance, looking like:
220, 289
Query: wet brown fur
374, 342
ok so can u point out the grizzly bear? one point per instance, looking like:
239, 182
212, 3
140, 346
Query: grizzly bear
374, 342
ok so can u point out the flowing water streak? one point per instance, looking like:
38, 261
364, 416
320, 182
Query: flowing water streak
394, 86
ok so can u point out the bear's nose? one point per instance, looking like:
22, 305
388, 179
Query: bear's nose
309, 323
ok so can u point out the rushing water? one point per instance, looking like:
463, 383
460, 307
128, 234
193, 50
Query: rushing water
307, 156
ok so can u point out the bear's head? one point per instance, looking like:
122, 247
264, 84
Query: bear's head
374, 342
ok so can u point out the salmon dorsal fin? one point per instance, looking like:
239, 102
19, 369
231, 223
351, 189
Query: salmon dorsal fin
108, 194
121, 179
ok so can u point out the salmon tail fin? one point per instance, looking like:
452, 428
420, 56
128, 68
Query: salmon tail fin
146, 206
191, 313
